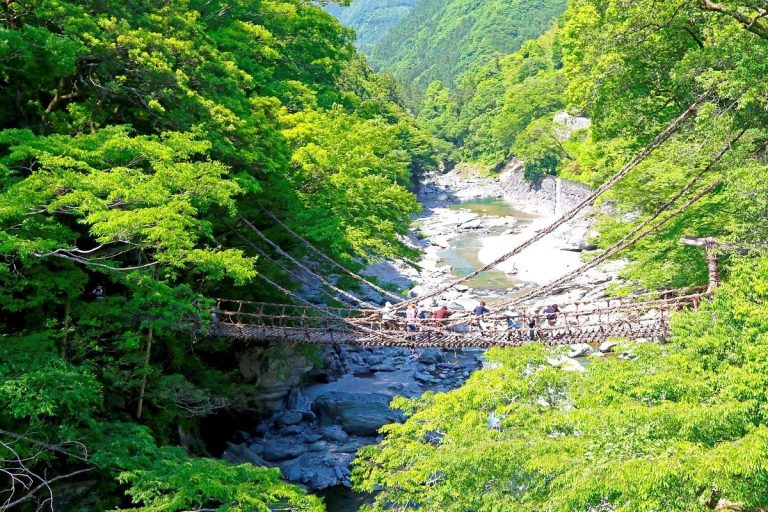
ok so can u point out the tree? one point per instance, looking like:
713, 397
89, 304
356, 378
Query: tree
678, 427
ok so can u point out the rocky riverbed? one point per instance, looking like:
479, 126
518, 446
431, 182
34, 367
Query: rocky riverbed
320, 414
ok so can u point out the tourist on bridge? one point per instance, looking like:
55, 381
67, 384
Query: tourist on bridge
551, 314
440, 315
411, 319
479, 312
513, 326
389, 317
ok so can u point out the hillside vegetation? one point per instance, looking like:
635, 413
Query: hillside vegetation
443, 39
132, 135
372, 19
673, 427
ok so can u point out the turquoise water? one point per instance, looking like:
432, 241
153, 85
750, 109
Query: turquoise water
495, 207
462, 255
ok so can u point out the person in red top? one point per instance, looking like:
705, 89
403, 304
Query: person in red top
440, 314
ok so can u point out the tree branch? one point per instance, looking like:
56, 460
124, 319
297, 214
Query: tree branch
752, 25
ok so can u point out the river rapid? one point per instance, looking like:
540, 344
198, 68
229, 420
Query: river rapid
326, 412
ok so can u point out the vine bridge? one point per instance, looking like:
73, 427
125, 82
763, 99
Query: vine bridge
575, 323
506, 324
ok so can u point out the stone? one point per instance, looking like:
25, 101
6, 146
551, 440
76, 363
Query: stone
424, 378
291, 418
361, 414
296, 401
291, 470
387, 366
473, 224
566, 363
461, 288
267, 367
241, 453
279, 449
334, 433
580, 350
607, 346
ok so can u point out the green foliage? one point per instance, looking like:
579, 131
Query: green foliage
680, 427
132, 135
442, 40
175, 482
504, 109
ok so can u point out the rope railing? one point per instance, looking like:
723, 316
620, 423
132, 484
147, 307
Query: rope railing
575, 323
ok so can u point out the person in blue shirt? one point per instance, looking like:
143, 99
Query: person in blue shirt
479, 312
513, 326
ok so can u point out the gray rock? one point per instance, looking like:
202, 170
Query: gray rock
334, 433
580, 350
291, 470
386, 366
424, 378
432, 356
241, 453
473, 224
361, 414
291, 418
279, 449
607, 346
296, 401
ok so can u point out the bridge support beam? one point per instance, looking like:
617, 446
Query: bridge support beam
711, 247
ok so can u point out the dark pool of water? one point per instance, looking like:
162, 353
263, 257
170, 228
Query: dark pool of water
342, 499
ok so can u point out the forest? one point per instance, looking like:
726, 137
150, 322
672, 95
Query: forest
138, 139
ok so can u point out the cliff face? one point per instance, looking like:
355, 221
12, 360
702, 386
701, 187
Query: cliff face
548, 195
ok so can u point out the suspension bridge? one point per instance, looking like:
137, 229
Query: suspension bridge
506, 324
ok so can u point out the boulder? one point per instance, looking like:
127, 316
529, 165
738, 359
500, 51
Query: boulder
566, 363
277, 370
607, 346
424, 378
296, 401
431, 356
473, 224
580, 350
386, 366
241, 453
361, 414
291, 418
279, 448
334, 433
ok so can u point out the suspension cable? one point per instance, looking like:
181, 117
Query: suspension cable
627, 240
296, 262
329, 259
303, 279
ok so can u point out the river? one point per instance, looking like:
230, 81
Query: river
314, 435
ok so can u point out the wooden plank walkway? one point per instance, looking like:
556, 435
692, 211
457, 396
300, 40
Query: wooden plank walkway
576, 323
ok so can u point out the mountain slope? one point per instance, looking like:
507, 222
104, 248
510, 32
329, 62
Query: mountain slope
442, 39
372, 19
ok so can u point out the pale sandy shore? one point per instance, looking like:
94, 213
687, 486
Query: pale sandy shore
541, 263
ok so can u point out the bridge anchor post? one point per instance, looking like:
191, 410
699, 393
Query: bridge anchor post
711, 248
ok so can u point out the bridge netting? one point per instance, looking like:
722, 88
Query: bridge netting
586, 322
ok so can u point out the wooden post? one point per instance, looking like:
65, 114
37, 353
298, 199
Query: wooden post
711, 248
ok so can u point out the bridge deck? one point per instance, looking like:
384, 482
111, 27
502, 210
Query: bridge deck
576, 323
